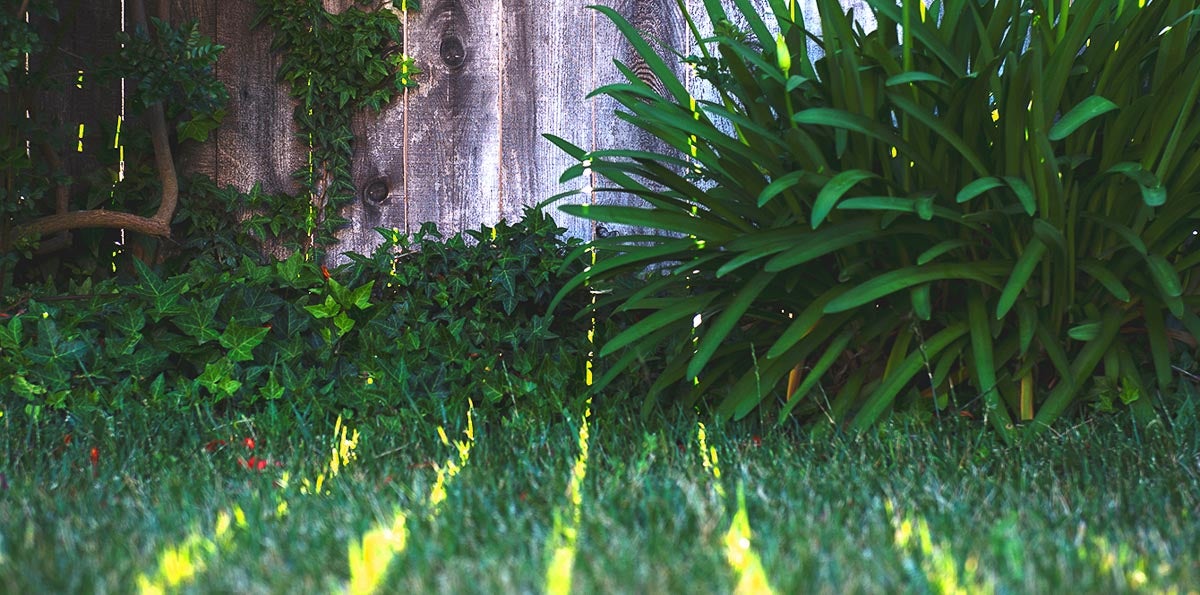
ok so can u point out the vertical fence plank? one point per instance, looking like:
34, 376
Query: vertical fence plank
545, 76
257, 141
451, 165
661, 24
377, 168
85, 106
194, 157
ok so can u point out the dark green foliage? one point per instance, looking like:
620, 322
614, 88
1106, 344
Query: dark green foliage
335, 65
424, 323
985, 212
175, 68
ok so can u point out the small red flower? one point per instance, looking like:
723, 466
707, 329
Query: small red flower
213, 445
94, 456
249, 442
67, 440
756, 440
325, 272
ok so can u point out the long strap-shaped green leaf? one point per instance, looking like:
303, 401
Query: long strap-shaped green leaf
985, 365
643, 49
893, 281
883, 396
678, 310
724, 323
1085, 362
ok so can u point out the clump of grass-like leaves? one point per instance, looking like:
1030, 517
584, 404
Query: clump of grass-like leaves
985, 199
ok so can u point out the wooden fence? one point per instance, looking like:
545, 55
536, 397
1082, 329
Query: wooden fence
462, 149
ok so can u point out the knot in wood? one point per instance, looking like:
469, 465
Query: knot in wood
453, 53
376, 190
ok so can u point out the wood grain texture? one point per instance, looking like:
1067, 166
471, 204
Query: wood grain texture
451, 172
377, 170
194, 157
661, 23
546, 74
257, 142
79, 98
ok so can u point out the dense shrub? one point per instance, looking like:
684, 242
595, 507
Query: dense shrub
987, 204
423, 323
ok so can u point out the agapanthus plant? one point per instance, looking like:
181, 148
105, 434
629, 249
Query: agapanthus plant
990, 202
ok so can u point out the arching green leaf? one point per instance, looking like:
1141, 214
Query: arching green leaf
1079, 115
834, 190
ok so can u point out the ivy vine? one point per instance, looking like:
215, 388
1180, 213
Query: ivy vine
335, 65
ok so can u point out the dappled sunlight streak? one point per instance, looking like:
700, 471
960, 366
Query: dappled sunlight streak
182, 563
371, 556
565, 535
933, 560
447, 471
739, 551
341, 454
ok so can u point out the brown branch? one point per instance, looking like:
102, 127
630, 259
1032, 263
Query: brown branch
21, 10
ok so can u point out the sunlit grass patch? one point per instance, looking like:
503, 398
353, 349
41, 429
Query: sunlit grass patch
932, 558
179, 565
564, 538
372, 555
739, 551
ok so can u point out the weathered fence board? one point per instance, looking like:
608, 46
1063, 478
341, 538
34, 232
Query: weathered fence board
463, 149
257, 141
547, 70
453, 133
90, 104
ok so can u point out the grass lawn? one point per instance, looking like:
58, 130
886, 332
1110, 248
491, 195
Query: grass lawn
513, 504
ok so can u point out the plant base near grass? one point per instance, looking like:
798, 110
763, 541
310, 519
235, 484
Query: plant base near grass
416, 328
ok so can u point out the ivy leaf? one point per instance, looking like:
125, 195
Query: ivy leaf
218, 378
164, 295
361, 297
11, 334
272, 389
198, 320
328, 309
343, 323
241, 340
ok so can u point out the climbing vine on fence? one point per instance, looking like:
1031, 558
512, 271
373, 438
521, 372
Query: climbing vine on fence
335, 65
